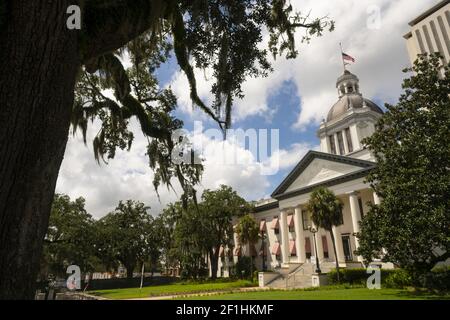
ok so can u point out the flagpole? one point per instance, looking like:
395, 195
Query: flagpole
342, 57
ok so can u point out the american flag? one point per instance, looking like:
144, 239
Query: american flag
347, 57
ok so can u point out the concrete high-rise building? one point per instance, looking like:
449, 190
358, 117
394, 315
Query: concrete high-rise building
430, 32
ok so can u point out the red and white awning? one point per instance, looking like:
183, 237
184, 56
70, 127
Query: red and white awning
275, 224
262, 226
292, 248
290, 221
276, 249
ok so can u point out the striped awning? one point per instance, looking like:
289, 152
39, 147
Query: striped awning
290, 221
276, 249
292, 248
262, 225
275, 223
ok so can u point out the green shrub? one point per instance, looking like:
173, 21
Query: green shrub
243, 268
357, 276
437, 279
398, 279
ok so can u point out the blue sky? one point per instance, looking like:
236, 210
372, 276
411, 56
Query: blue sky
293, 99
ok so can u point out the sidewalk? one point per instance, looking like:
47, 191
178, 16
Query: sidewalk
201, 294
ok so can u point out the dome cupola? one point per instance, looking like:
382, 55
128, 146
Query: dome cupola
349, 97
351, 119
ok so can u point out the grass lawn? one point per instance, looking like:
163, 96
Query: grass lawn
171, 289
325, 294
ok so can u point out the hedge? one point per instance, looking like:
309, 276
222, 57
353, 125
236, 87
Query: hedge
437, 279
393, 278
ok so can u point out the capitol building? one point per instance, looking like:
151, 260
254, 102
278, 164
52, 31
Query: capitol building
289, 248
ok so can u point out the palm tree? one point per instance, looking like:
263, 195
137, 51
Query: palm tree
326, 211
247, 230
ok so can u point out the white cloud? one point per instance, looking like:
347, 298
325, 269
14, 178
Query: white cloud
380, 54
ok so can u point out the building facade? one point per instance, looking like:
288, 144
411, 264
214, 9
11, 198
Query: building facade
430, 32
288, 245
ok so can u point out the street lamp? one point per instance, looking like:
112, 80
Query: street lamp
314, 231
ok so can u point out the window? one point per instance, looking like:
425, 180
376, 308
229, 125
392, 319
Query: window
420, 41
341, 143
361, 208
308, 247
436, 38
326, 254
427, 39
444, 33
332, 144
292, 248
348, 136
290, 222
307, 221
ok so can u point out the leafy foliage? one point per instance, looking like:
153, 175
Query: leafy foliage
244, 268
411, 146
70, 238
326, 211
200, 230
437, 279
247, 230
391, 278
126, 235
222, 35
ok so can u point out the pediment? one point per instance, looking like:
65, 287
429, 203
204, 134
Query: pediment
320, 170
318, 167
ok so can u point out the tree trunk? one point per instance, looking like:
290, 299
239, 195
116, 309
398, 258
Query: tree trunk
130, 269
214, 257
333, 240
38, 67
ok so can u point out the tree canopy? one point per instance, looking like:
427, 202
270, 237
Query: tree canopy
202, 229
411, 146
224, 36
326, 210
70, 238
126, 235
43, 61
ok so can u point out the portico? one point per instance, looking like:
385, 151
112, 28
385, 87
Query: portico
355, 204
341, 165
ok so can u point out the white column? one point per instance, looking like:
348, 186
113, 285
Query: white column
284, 236
376, 198
339, 249
319, 246
356, 218
344, 139
336, 144
299, 235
